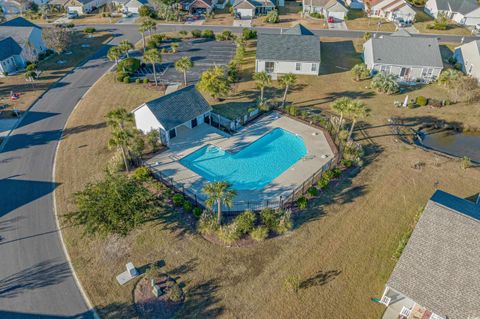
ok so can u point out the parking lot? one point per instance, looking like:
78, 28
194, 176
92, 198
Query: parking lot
203, 53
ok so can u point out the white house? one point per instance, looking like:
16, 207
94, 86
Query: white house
10, 56
183, 108
329, 8
296, 50
84, 6
133, 6
390, 9
436, 276
247, 9
355, 4
199, 6
27, 35
409, 59
465, 12
468, 55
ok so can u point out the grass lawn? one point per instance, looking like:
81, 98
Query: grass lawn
51, 71
422, 20
341, 247
290, 15
358, 21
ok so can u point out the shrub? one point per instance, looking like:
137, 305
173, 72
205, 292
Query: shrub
116, 163
268, 217
249, 34
187, 206
292, 283
89, 30
146, 11
302, 202
177, 199
336, 172
292, 110
421, 100
208, 34
69, 25
126, 79
129, 65
197, 212
260, 233
346, 163
120, 76
228, 233
207, 224
182, 33
151, 44
142, 173
312, 191
227, 35
458, 66
316, 15
196, 33
272, 17
138, 81
145, 81
323, 181
385, 83
245, 222
175, 293
284, 222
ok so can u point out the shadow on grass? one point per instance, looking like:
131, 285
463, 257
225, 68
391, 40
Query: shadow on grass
200, 301
320, 278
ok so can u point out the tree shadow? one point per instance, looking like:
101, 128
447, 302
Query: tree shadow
320, 278
200, 301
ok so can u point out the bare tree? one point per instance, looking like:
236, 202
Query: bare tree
57, 38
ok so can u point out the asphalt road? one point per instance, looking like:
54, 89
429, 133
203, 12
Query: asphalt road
35, 278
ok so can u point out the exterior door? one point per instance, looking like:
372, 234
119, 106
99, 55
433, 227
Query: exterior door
172, 133
194, 122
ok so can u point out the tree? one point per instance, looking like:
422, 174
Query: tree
142, 30
125, 46
174, 47
57, 37
153, 139
149, 25
385, 83
464, 89
30, 75
146, 11
441, 22
286, 81
448, 77
153, 56
115, 205
214, 82
262, 80
356, 110
341, 106
219, 193
272, 16
183, 65
360, 71
114, 54
120, 122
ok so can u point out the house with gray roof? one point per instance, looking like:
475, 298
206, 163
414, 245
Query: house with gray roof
10, 56
436, 276
329, 8
27, 36
247, 9
409, 59
468, 56
466, 12
184, 108
296, 50
84, 6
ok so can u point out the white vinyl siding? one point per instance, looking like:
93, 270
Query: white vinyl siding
282, 67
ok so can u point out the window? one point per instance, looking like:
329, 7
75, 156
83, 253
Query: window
427, 72
314, 67
194, 122
269, 67
385, 69
298, 66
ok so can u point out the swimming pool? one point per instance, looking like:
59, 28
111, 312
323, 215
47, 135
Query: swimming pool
254, 166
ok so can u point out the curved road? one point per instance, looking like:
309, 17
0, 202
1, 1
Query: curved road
35, 278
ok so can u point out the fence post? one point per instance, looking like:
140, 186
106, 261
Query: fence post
183, 190
281, 204
171, 181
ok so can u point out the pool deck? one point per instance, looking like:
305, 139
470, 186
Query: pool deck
188, 140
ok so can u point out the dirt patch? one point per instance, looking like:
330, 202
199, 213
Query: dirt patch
148, 305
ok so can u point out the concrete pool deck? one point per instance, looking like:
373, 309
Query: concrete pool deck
319, 153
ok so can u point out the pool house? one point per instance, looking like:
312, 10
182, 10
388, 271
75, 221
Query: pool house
173, 114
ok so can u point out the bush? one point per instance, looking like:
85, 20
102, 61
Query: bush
175, 293
208, 34
197, 212
316, 15
142, 174
89, 30
268, 217
129, 65
323, 182
126, 79
138, 81
151, 44
187, 206
196, 33
292, 283
260, 233
312, 191
228, 233
207, 224
336, 172
421, 100
284, 222
346, 163
116, 163
146, 11
145, 81
182, 33
228, 35
292, 110
302, 202
120, 76
249, 34
245, 222
272, 17
177, 199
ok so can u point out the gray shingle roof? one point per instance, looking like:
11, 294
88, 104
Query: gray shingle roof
404, 50
19, 34
439, 267
9, 47
299, 29
462, 6
255, 3
178, 107
18, 22
288, 47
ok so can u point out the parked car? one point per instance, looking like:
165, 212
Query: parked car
126, 14
331, 20
401, 23
477, 28
72, 15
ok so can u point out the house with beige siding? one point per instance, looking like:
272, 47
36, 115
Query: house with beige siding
468, 55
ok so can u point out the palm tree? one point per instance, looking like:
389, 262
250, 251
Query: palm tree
286, 81
385, 83
360, 71
183, 65
262, 79
357, 110
174, 47
114, 54
125, 46
153, 56
219, 192
120, 121
142, 30
341, 106
448, 77
149, 25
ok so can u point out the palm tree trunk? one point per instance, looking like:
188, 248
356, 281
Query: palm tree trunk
143, 38
125, 161
340, 123
261, 94
285, 96
351, 129
219, 212
126, 52
185, 77
154, 74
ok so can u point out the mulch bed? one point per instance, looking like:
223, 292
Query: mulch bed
149, 306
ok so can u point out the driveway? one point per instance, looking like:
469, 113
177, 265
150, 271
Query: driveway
128, 20
338, 25
243, 23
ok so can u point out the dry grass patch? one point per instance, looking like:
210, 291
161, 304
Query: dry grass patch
358, 21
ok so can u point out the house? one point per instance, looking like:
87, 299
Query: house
436, 276
84, 6
329, 8
185, 108
391, 10
468, 55
355, 4
26, 35
247, 9
296, 50
465, 12
133, 6
199, 6
10, 56
408, 58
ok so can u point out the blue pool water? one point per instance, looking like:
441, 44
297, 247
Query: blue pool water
252, 167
